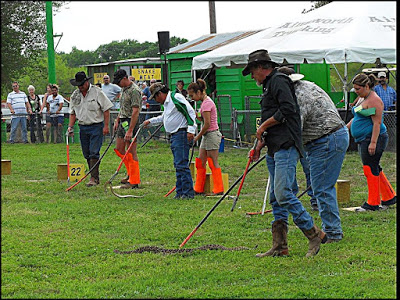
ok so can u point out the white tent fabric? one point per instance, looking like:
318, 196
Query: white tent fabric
339, 32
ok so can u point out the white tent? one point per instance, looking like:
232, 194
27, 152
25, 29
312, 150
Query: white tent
339, 32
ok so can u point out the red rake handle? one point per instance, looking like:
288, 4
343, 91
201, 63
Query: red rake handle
244, 176
167, 194
188, 237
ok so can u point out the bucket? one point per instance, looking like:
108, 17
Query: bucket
222, 145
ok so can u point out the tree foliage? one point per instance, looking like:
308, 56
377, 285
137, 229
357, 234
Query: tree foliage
23, 35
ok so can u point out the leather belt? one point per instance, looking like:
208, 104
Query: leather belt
330, 132
180, 129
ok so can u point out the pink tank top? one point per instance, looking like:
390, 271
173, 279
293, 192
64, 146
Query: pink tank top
209, 105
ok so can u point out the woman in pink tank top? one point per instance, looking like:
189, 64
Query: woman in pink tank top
210, 139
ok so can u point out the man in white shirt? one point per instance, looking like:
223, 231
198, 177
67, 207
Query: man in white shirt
56, 102
179, 120
18, 103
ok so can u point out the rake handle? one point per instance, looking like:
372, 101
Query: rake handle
220, 200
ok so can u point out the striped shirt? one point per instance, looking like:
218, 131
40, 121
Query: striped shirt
388, 96
17, 101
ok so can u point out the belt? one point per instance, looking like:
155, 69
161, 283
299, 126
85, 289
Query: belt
330, 132
180, 129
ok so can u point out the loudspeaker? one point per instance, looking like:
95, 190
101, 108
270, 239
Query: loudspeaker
163, 41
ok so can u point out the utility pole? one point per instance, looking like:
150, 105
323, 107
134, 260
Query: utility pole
50, 43
213, 20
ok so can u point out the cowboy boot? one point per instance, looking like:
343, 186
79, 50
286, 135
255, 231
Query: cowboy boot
316, 237
95, 174
279, 240
124, 180
200, 177
388, 195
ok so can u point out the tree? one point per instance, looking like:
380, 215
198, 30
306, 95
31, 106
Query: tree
23, 36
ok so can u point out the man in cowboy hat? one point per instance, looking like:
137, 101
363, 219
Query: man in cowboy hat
178, 118
326, 139
91, 107
280, 131
126, 125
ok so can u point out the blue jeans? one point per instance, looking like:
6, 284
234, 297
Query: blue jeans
91, 137
180, 150
282, 170
306, 170
14, 125
326, 156
373, 160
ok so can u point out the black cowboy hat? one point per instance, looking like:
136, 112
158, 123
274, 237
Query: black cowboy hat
256, 57
80, 78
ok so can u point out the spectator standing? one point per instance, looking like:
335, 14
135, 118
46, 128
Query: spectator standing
35, 121
91, 107
152, 105
386, 92
126, 126
326, 140
280, 131
180, 89
19, 106
178, 118
56, 102
370, 133
210, 139
49, 134
112, 91
145, 96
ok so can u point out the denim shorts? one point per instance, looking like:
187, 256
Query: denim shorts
211, 140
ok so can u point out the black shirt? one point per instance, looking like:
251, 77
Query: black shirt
279, 101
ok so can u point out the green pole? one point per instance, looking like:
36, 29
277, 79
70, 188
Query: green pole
50, 42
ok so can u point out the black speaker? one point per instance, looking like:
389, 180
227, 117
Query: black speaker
163, 41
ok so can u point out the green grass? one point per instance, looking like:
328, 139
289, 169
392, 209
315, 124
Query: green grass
58, 244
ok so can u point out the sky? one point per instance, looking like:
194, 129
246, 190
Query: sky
88, 24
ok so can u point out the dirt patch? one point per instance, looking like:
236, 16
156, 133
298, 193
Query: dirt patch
156, 249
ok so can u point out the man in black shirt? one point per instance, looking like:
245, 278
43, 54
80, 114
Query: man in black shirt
280, 131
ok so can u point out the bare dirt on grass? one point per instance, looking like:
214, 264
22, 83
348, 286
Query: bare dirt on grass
156, 249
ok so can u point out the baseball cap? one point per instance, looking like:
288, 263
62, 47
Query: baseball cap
381, 74
154, 89
119, 75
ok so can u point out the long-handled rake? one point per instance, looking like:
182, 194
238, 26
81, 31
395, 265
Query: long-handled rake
68, 171
109, 182
251, 154
86, 175
220, 200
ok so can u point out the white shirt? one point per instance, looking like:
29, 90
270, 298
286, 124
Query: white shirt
54, 103
173, 119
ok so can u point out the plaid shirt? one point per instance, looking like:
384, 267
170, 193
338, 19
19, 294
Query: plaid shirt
388, 96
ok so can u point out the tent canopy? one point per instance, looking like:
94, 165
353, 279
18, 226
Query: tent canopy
339, 32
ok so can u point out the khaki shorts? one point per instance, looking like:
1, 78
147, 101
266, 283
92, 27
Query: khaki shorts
211, 140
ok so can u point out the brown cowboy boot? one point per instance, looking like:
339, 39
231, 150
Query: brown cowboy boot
316, 237
279, 240
94, 179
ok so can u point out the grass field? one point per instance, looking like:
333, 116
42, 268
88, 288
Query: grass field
58, 244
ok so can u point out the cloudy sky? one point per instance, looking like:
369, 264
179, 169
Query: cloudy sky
89, 24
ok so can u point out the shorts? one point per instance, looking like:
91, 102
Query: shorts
120, 129
211, 140
56, 120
